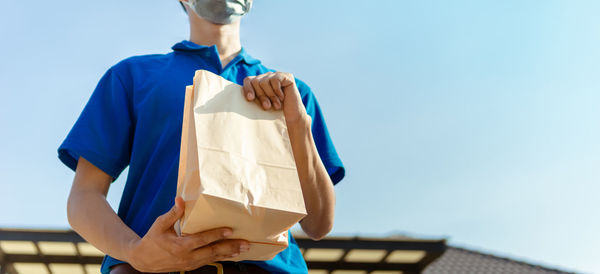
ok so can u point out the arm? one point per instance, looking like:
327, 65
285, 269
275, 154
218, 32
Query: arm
160, 250
317, 187
91, 216
278, 90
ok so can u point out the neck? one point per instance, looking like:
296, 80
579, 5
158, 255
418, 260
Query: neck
225, 37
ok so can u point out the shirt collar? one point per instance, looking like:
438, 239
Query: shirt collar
189, 46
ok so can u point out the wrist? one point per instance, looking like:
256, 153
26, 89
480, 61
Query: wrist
300, 125
130, 249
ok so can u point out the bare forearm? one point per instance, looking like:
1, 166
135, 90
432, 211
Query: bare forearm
317, 187
160, 250
91, 216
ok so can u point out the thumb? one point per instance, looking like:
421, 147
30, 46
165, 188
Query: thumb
167, 220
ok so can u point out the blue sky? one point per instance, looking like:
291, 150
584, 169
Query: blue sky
472, 120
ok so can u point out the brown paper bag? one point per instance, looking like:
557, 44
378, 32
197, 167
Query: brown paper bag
236, 168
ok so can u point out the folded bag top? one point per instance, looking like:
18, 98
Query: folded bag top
237, 168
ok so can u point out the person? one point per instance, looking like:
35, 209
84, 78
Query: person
133, 119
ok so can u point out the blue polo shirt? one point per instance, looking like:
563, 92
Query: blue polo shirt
134, 117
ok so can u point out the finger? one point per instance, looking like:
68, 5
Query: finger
222, 250
205, 238
167, 220
265, 84
248, 90
276, 102
276, 85
260, 94
287, 79
288, 85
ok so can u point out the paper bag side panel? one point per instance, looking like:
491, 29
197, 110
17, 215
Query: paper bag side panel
185, 134
188, 181
191, 179
183, 152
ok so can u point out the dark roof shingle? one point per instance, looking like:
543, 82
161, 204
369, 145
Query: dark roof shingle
462, 261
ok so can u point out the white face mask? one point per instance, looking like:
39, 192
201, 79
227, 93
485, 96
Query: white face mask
220, 11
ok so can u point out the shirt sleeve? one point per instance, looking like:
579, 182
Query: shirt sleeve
103, 132
323, 141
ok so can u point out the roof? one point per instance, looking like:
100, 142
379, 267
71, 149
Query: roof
47, 251
458, 260
372, 255
64, 251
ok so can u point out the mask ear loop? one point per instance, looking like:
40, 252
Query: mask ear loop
248, 6
186, 3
